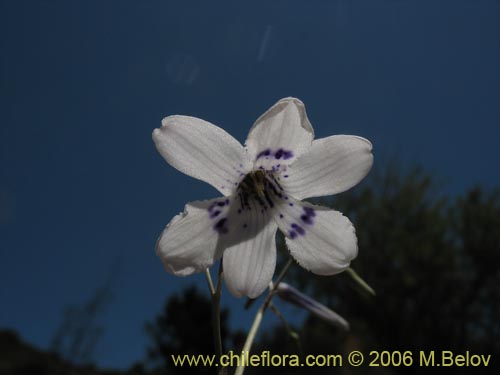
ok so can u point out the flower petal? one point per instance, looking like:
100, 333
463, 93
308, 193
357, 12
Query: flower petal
322, 240
280, 135
332, 165
203, 151
189, 243
249, 264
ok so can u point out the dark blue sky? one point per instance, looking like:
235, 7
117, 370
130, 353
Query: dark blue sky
83, 84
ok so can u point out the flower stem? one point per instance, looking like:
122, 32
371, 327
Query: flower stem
215, 293
258, 318
364, 285
209, 282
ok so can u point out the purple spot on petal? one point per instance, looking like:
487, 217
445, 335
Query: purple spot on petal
220, 227
309, 211
292, 234
266, 152
285, 154
306, 219
214, 214
281, 216
290, 204
286, 176
298, 229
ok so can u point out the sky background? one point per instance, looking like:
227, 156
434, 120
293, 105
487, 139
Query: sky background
83, 192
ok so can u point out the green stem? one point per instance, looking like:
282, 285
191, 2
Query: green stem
209, 282
258, 318
364, 285
215, 293
294, 335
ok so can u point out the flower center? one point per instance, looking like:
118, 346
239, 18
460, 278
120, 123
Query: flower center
254, 184
261, 187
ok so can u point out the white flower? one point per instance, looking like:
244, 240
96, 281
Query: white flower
262, 185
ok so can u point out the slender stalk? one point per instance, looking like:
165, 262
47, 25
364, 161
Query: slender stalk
209, 282
216, 312
215, 294
278, 313
294, 335
258, 318
283, 272
360, 281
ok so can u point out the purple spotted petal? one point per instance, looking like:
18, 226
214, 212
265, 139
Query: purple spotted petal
189, 243
322, 240
280, 135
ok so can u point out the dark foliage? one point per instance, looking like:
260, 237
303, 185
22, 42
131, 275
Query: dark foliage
184, 327
20, 358
433, 262
434, 265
